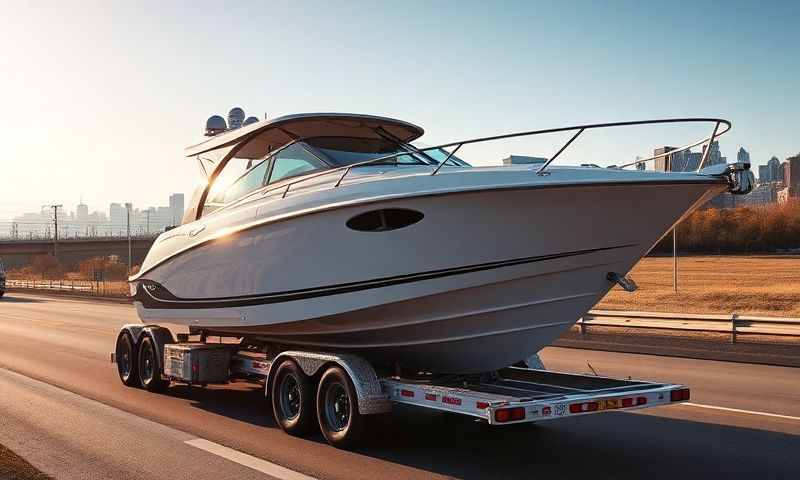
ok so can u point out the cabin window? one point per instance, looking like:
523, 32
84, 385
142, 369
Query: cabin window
343, 151
252, 180
292, 161
232, 184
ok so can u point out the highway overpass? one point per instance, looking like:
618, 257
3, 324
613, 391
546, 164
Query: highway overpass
18, 252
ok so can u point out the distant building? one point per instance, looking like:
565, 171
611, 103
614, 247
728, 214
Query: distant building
714, 155
663, 163
82, 212
117, 216
743, 156
791, 172
176, 206
764, 193
764, 174
683, 161
775, 170
523, 160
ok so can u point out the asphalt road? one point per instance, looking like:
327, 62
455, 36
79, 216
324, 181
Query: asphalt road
63, 408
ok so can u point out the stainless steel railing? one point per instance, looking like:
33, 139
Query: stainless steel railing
579, 129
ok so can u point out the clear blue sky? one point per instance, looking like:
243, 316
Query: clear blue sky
99, 98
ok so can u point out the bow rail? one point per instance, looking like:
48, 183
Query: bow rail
578, 129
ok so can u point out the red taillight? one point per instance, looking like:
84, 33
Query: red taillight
679, 395
481, 405
584, 407
430, 396
407, 393
509, 414
627, 402
641, 400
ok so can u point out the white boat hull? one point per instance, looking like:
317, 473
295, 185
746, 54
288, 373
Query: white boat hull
485, 279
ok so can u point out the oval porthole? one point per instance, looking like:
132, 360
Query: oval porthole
384, 220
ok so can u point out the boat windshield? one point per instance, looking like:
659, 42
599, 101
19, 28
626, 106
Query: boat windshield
343, 151
438, 155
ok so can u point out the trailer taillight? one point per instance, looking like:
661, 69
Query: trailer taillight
681, 395
481, 405
584, 407
509, 414
627, 402
641, 400
407, 393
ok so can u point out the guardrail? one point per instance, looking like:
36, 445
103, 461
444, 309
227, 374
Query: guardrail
83, 287
732, 324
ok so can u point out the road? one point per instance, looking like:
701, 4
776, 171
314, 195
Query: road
64, 409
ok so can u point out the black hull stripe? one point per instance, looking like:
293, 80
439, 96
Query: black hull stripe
154, 295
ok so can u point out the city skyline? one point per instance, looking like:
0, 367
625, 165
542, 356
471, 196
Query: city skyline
117, 123
82, 221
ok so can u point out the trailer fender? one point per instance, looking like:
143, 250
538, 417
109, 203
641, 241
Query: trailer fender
371, 398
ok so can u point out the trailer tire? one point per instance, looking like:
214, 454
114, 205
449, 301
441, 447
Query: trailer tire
292, 399
127, 360
337, 409
150, 370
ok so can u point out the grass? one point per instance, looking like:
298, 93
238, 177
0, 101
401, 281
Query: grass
756, 285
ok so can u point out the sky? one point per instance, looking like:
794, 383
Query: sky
100, 98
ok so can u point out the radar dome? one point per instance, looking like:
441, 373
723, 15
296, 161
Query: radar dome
235, 118
250, 120
214, 125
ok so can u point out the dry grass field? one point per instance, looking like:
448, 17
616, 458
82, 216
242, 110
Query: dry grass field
760, 285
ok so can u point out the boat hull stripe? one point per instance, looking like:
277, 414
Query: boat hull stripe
154, 295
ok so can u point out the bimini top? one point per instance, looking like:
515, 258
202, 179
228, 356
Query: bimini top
268, 135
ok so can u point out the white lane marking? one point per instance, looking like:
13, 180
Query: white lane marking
738, 410
249, 461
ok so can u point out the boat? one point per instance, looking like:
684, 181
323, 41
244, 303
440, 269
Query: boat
342, 236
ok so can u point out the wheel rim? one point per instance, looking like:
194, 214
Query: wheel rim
337, 407
290, 397
148, 361
124, 360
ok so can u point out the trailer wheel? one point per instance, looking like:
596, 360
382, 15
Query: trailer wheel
126, 358
150, 366
337, 409
292, 399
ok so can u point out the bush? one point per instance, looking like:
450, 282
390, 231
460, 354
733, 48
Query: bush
755, 229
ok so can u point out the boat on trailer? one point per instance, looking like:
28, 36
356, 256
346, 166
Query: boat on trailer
337, 234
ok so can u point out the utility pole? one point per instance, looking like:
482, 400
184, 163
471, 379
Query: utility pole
675, 259
55, 234
128, 210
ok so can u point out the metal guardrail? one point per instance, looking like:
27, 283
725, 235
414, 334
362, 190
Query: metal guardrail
732, 324
83, 287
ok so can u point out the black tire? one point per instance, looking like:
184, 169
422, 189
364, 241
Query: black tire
337, 409
127, 360
293, 399
149, 366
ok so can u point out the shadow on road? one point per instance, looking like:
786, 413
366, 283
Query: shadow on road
245, 403
618, 444
8, 299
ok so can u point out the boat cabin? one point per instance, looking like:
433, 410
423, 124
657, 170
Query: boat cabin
272, 151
